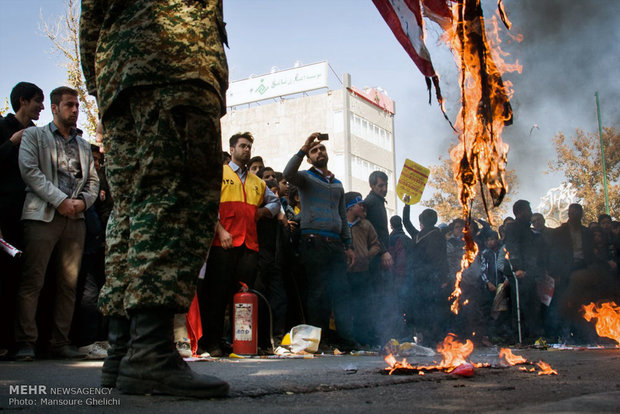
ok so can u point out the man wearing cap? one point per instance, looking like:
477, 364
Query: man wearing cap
325, 243
366, 246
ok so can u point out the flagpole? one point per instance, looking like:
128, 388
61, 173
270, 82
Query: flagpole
600, 134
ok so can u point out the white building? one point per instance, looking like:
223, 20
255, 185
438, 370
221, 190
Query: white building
280, 110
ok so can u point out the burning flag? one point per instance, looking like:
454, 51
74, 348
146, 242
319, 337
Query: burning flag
454, 355
607, 317
480, 157
404, 17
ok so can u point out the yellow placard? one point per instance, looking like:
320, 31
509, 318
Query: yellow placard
411, 183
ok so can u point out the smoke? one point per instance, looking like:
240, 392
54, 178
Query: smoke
569, 52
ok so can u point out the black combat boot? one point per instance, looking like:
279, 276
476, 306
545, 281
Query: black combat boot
118, 338
153, 365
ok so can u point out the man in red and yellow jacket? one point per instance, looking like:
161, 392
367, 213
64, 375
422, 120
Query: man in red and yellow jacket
234, 253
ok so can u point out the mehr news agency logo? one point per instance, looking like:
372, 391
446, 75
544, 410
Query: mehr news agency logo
42, 395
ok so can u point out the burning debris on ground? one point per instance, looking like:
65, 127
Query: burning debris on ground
455, 361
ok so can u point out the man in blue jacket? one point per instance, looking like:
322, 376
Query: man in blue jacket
325, 243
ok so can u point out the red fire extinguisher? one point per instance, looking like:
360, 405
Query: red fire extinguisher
245, 322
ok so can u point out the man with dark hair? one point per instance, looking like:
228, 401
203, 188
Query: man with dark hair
381, 263
362, 318
57, 166
255, 164
400, 248
233, 257
159, 72
571, 248
27, 102
429, 292
527, 263
266, 173
325, 243
377, 215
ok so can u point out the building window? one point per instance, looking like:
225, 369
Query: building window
370, 132
361, 169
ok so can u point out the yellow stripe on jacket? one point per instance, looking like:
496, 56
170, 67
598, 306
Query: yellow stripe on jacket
238, 205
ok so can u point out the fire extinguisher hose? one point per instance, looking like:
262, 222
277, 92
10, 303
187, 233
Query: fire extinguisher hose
260, 295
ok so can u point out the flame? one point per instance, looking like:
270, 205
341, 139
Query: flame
480, 156
471, 251
607, 317
454, 354
545, 369
511, 358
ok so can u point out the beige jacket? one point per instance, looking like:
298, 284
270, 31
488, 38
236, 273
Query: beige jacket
38, 164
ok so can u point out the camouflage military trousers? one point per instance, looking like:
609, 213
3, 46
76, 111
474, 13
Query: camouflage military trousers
163, 164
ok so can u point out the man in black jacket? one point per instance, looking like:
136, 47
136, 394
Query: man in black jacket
431, 308
27, 102
527, 252
377, 215
381, 264
571, 249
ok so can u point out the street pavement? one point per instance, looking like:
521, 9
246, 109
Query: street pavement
587, 381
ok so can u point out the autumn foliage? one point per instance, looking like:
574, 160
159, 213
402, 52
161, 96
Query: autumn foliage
578, 158
444, 198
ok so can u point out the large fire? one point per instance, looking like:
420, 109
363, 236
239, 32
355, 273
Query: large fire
607, 317
480, 156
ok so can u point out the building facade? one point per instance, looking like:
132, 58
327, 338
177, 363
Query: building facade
282, 109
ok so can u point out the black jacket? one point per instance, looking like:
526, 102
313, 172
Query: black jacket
561, 260
12, 187
428, 255
377, 215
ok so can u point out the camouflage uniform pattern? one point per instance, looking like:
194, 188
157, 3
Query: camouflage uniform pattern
151, 42
159, 72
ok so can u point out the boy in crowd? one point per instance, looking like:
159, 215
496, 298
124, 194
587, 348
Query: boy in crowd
366, 246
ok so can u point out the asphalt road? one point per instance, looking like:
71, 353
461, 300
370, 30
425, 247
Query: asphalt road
587, 381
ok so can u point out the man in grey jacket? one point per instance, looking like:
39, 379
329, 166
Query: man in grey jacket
325, 243
58, 168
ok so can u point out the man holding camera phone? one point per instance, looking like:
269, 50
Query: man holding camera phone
325, 237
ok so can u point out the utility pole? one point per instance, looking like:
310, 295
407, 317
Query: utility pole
600, 134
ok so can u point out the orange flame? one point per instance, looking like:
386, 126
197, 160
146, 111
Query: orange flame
454, 354
480, 156
511, 358
545, 369
607, 317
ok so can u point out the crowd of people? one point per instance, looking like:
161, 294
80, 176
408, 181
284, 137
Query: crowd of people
318, 254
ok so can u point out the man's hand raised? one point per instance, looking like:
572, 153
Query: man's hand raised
311, 141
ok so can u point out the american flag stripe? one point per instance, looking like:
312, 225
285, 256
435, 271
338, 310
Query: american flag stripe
404, 17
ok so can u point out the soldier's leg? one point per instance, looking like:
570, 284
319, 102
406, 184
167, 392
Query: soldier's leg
175, 193
173, 210
120, 138
120, 149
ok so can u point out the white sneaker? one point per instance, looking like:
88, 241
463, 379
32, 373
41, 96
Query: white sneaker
97, 350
